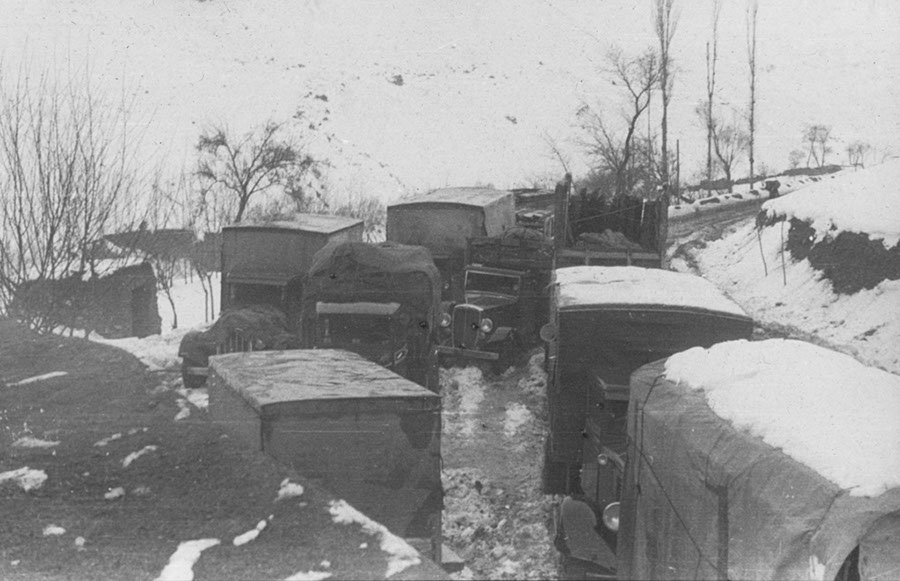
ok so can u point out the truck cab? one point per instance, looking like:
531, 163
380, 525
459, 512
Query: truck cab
377, 331
381, 301
442, 221
605, 323
263, 272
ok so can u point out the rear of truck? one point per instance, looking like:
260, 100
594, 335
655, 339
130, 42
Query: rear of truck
263, 268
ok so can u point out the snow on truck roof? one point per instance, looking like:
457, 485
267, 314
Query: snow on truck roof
316, 223
824, 409
273, 378
632, 285
463, 196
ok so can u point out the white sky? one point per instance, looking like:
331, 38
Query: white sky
484, 82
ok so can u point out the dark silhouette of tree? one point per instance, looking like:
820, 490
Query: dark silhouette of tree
260, 160
635, 77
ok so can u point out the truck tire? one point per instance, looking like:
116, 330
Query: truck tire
190, 380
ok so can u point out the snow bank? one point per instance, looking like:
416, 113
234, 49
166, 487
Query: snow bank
866, 201
748, 266
823, 408
611, 285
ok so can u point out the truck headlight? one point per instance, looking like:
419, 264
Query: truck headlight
446, 319
611, 516
487, 325
400, 355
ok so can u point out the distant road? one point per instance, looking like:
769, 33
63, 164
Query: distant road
710, 221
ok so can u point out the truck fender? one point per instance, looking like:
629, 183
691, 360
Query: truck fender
501, 334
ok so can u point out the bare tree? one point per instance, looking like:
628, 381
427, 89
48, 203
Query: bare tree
711, 58
857, 152
752, 15
816, 138
730, 142
242, 168
637, 76
666, 23
794, 158
68, 173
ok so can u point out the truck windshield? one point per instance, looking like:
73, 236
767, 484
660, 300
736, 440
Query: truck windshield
492, 282
346, 330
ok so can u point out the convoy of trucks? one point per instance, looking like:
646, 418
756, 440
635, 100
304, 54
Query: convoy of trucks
462, 276
263, 268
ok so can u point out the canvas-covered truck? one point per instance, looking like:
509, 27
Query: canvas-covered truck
773, 459
443, 220
605, 323
379, 300
369, 436
263, 267
505, 297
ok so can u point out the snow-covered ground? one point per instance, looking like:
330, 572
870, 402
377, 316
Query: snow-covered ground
752, 268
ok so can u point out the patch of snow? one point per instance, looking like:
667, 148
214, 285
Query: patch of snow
107, 440
823, 408
289, 489
38, 378
400, 554
141, 491
517, 415
135, 455
32, 442
184, 409
308, 576
26, 478
115, 493
53, 530
181, 564
199, 397
629, 285
250, 535
865, 201
464, 387
79, 542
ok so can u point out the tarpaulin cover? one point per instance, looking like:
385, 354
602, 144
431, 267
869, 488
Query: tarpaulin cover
386, 272
702, 500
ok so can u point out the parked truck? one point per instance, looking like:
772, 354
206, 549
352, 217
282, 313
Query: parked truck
773, 459
369, 436
381, 301
505, 278
504, 297
605, 323
263, 267
443, 220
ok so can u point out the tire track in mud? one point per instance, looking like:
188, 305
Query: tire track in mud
495, 515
